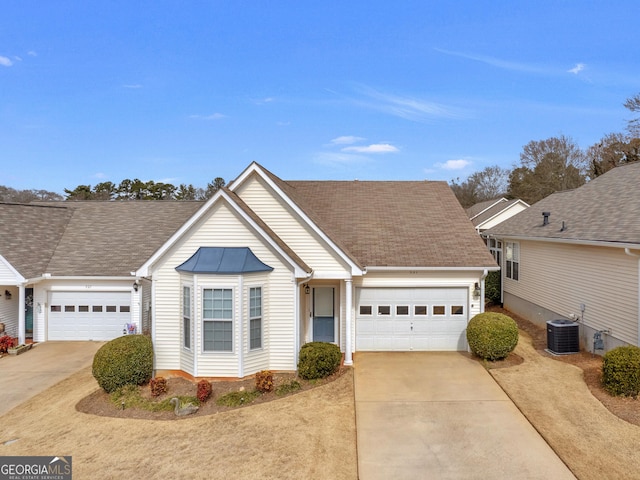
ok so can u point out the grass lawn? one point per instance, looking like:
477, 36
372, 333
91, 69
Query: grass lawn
308, 435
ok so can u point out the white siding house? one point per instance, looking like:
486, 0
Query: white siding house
237, 284
575, 256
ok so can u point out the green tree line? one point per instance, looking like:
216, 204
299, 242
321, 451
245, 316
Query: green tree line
138, 190
552, 165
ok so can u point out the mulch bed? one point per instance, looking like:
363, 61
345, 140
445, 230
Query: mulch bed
99, 402
626, 408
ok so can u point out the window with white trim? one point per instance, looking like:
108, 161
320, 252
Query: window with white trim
255, 318
217, 319
186, 317
512, 260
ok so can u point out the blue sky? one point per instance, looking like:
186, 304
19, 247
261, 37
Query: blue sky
183, 92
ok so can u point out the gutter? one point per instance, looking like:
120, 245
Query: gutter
431, 269
484, 275
590, 243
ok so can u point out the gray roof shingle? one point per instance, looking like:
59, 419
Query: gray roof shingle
607, 209
392, 223
29, 235
87, 238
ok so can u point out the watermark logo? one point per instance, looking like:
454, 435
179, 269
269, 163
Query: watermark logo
35, 468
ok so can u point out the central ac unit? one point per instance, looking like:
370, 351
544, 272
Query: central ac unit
563, 337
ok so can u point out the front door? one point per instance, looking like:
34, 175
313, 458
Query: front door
28, 312
323, 315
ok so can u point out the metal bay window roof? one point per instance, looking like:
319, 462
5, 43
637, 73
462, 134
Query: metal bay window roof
224, 260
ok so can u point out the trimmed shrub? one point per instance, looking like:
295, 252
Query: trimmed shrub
492, 287
204, 390
621, 371
492, 336
158, 386
126, 360
264, 381
318, 360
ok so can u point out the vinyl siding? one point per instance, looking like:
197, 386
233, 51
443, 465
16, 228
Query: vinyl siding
502, 216
9, 311
7, 276
292, 229
222, 227
560, 277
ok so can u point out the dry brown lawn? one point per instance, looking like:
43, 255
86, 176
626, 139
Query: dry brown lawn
553, 395
308, 435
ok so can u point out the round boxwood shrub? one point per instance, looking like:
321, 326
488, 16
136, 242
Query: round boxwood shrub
318, 360
492, 335
621, 371
122, 361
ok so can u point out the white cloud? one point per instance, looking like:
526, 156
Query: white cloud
346, 140
32, 53
410, 108
99, 175
458, 164
132, 85
577, 69
5, 61
497, 62
213, 116
336, 158
373, 148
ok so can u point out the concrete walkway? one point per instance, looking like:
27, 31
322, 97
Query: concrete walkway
440, 415
24, 376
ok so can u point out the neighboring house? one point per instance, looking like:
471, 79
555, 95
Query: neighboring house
576, 255
486, 215
237, 284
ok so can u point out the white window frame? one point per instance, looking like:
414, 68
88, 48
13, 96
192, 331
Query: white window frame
213, 320
256, 316
187, 316
511, 260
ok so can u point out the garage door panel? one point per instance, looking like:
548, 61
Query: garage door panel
87, 315
420, 319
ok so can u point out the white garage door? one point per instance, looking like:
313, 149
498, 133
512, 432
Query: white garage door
88, 315
402, 319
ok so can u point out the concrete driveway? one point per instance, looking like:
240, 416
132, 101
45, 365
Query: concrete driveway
24, 376
440, 415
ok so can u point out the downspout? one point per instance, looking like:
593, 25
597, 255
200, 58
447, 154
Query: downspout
484, 275
628, 252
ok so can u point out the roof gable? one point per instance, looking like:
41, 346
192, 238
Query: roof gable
238, 206
607, 209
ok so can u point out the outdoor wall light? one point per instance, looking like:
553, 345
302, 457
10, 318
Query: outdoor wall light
307, 290
476, 291
135, 286
7, 294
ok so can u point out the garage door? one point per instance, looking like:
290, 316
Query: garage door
403, 319
88, 315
